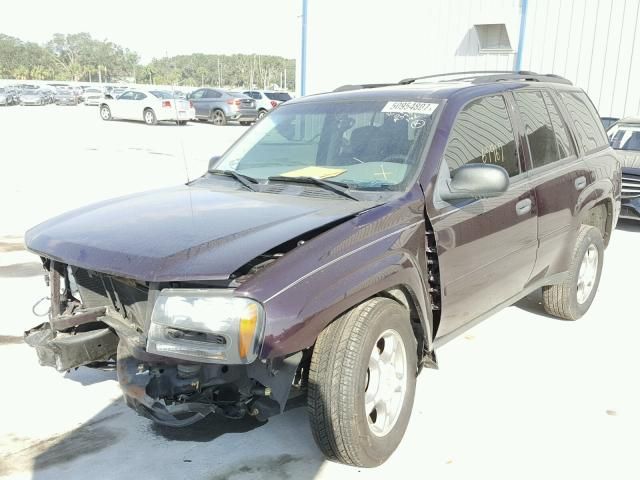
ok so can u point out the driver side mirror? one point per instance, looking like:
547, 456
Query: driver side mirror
476, 180
212, 162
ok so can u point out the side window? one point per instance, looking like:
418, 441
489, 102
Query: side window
482, 133
197, 95
565, 146
127, 96
586, 122
538, 127
140, 96
212, 94
254, 95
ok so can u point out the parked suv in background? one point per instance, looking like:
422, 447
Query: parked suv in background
625, 139
267, 99
332, 249
219, 107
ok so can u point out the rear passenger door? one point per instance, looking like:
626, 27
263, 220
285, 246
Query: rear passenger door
199, 103
557, 174
486, 247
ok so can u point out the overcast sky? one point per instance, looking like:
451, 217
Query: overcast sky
155, 28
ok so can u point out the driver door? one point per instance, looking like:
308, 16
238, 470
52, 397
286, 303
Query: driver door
122, 105
486, 247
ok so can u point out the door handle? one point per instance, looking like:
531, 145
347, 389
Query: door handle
580, 183
523, 206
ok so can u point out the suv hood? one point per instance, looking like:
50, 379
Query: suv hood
181, 233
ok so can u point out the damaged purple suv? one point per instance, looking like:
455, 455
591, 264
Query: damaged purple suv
332, 249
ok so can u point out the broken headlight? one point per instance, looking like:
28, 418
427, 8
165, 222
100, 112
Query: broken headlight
206, 325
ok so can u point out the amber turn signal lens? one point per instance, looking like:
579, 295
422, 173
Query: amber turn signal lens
247, 331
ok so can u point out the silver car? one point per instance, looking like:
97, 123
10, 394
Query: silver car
220, 107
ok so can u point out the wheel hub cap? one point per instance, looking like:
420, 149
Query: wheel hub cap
587, 274
385, 383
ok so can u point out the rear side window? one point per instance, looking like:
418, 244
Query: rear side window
538, 127
212, 94
565, 146
585, 120
483, 133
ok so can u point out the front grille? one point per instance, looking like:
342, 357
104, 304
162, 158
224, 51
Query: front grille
630, 185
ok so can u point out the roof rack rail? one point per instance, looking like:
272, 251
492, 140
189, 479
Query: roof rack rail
489, 76
346, 88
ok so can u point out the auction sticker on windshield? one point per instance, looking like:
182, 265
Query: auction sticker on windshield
410, 107
315, 172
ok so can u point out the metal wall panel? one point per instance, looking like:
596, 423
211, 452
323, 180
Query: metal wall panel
365, 41
594, 43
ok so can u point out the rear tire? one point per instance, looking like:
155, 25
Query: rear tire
261, 113
218, 118
572, 298
362, 381
105, 112
149, 117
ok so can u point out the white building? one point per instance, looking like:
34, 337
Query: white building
593, 43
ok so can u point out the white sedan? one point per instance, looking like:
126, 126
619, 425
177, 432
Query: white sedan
150, 106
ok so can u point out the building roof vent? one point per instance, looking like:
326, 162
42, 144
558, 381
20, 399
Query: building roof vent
493, 38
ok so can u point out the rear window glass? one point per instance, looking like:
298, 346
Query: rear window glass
279, 96
540, 135
565, 146
483, 133
625, 137
586, 123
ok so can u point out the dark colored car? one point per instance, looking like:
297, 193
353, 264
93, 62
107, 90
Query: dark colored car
8, 96
625, 139
608, 121
332, 249
66, 96
219, 107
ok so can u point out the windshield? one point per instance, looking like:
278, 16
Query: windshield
625, 137
370, 145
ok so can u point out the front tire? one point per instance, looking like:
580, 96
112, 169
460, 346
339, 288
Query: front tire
572, 298
105, 113
362, 382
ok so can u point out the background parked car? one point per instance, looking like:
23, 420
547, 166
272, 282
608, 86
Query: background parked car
267, 99
8, 96
219, 106
608, 121
625, 139
150, 106
33, 97
92, 96
66, 96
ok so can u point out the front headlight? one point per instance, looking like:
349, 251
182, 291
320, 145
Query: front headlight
206, 325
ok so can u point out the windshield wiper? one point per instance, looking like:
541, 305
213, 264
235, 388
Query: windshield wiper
331, 185
245, 180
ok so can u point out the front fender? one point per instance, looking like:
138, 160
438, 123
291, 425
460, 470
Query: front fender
309, 287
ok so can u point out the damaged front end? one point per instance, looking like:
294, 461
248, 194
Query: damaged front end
182, 352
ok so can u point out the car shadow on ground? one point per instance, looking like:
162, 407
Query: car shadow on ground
167, 123
628, 225
116, 442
